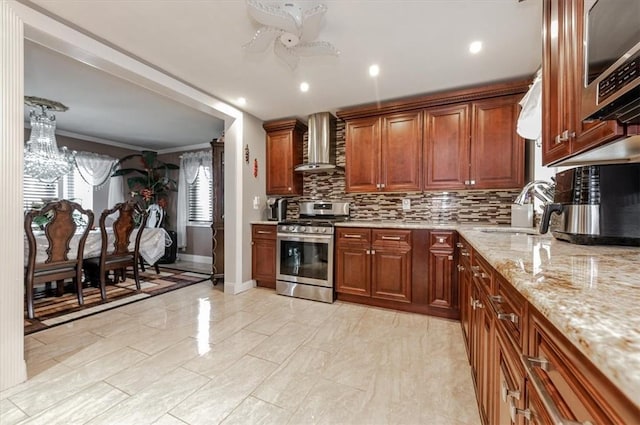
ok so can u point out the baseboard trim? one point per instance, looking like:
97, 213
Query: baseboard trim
195, 258
236, 288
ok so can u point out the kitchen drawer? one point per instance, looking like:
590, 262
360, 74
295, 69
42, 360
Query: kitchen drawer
391, 238
482, 273
510, 309
566, 382
442, 241
353, 236
264, 231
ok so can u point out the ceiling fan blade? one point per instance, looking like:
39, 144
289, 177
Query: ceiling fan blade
312, 22
261, 39
272, 16
286, 54
315, 48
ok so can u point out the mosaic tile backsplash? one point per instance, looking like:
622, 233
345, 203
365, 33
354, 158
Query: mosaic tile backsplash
480, 206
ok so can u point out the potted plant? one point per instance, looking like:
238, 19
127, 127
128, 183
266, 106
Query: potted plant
151, 184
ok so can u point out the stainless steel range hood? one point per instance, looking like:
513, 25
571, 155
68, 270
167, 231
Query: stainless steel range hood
321, 151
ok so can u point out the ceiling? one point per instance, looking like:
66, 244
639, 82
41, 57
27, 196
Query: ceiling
421, 47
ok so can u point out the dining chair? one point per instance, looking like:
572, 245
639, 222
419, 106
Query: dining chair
154, 220
116, 255
58, 260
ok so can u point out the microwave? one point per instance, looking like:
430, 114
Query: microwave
612, 61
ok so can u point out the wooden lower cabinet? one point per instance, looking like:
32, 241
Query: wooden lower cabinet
374, 263
443, 286
263, 255
524, 370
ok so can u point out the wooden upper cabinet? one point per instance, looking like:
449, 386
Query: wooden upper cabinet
384, 153
284, 152
564, 133
446, 147
401, 148
497, 152
362, 155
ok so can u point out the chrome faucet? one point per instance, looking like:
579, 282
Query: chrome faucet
541, 189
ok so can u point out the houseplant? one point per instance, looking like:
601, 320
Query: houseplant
150, 184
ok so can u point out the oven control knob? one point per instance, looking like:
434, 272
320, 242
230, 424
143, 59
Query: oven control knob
302, 229
323, 230
291, 228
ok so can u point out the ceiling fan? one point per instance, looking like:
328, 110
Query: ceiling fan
291, 28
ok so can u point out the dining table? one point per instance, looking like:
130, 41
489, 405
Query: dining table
153, 242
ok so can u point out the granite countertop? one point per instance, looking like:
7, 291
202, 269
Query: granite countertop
590, 293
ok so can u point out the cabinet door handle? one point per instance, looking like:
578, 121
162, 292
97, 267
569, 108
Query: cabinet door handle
466, 182
441, 240
390, 238
459, 245
378, 185
465, 254
289, 189
460, 268
352, 236
265, 232
514, 412
373, 252
450, 257
545, 397
368, 252
472, 182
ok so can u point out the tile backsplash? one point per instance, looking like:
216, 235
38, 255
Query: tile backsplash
482, 206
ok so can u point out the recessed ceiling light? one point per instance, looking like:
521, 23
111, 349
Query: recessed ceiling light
304, 87
242, 101
374, 70
475, 47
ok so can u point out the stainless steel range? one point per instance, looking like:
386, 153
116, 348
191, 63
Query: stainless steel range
304, 256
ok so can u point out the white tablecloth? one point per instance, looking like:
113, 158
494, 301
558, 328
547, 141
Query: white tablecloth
152, 244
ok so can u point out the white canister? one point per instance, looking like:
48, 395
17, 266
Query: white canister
522, 215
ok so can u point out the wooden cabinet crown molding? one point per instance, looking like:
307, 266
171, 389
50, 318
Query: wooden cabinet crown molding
436, 99
291, 124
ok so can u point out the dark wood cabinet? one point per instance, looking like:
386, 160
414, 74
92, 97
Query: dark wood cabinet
362, 155
496, 152
217, 225
509, 383
263, 255
443, 285
374, 263
284, 152
474, 146
464, 284
564, 133
383, 153
446, 147
353, 262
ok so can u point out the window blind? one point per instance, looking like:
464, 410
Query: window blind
37, 193
200, 199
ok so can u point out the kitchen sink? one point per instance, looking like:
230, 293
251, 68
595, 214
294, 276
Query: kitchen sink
508, 230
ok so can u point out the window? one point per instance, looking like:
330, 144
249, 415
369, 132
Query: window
72, 187
200, 199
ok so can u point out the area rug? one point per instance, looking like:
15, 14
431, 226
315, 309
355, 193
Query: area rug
51, 310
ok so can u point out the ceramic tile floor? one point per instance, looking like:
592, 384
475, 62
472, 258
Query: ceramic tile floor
198, 356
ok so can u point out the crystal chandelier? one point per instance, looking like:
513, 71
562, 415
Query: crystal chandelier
42, 158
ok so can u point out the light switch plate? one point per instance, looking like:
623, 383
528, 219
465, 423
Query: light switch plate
406, 204
256, 202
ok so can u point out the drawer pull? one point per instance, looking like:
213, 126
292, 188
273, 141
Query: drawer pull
441, 240
391, 238
508, 393
545, 397
450, 258
265, 232
475, 268
494, 300
350, 235
459, 245
514, 412
465, 254
460, 268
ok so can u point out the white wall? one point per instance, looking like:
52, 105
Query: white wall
240, 188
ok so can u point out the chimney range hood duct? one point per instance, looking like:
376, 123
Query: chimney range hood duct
321, 151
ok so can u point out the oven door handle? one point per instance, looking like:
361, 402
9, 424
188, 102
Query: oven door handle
314, 238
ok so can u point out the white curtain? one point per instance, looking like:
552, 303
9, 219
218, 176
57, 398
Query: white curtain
189, 166
530, 120
95, 169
